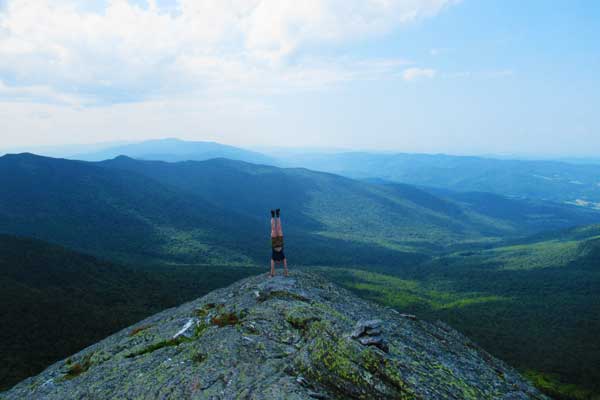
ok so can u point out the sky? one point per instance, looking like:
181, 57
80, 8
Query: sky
435, 76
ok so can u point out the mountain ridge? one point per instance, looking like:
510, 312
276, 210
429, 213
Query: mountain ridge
172, 149
213, 212
92, 209
237, 179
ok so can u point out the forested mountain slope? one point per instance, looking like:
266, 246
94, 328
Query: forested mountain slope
216, 212
393, 216
116, 214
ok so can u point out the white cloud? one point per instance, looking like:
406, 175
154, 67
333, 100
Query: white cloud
39, 93
120, 52
415, 74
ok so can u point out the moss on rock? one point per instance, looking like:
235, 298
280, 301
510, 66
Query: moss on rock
78, 368
300, 317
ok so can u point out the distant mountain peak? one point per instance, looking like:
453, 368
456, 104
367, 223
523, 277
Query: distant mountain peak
123, 158
173, 149
22, 155
17, 158
178, 140
284, 338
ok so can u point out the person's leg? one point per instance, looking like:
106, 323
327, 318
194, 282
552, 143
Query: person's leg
285, 270
273, 228
272, 268
279, 230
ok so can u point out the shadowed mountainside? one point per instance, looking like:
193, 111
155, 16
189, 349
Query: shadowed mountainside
54, 302
118, 215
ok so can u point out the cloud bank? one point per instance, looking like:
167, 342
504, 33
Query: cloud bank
118, 51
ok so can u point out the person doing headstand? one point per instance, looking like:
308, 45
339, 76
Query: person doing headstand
277, 255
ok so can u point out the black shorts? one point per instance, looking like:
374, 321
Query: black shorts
278, 255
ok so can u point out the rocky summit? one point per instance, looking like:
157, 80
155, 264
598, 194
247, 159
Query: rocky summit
300, 337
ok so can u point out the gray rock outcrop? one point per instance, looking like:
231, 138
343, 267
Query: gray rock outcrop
292, 338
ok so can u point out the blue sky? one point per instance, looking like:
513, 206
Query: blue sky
460, 77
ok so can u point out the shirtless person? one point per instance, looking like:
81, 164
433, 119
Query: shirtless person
277, 255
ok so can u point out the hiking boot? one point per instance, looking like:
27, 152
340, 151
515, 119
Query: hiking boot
272, 214
277, 213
